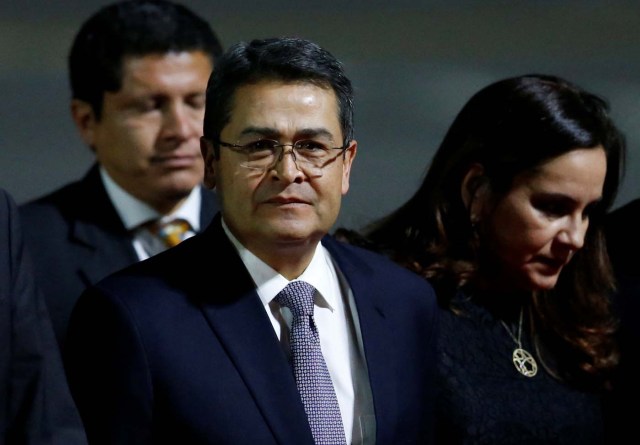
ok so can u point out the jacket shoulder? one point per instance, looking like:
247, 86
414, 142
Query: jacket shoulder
373, 263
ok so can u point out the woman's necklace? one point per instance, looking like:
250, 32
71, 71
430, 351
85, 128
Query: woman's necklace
522, 359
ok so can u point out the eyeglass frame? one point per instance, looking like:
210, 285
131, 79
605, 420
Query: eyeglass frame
238, 148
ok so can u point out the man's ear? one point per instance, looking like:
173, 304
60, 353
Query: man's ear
85, 120
208, 154
473, 191
349, 156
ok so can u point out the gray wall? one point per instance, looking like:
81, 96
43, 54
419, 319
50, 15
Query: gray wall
413, 63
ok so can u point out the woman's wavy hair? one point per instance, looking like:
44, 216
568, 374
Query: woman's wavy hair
509, 128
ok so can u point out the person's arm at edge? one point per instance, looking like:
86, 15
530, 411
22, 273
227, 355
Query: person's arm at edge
40, 409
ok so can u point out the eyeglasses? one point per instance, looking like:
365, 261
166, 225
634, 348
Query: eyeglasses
309, 156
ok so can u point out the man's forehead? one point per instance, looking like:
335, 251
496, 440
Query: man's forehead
290, 109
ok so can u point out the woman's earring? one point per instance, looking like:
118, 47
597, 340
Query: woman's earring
474, 222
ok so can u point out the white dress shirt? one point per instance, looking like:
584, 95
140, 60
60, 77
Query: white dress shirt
336, 318
134, 212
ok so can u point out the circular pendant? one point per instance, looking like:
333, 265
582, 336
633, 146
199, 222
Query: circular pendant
524, 362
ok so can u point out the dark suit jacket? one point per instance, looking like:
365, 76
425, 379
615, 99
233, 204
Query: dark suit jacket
622, 229
179, 349
35, 403
76, 238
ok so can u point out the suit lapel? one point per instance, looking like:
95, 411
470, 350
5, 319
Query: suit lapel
208, 208
243, 327
240, 322
104, 251
377, 336
98, 231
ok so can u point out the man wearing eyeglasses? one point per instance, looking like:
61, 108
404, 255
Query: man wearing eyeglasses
262, 329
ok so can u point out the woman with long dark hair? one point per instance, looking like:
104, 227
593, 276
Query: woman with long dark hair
506, 226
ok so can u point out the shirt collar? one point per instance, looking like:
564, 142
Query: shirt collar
320, 273
134, 212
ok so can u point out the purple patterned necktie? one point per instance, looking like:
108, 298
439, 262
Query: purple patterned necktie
310, 370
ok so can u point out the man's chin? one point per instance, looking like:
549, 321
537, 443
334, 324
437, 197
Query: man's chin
178, 186
294, 234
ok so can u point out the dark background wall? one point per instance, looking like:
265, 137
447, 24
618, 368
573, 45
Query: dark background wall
413, 63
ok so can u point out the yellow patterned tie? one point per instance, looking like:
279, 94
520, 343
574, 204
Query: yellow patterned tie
171, 232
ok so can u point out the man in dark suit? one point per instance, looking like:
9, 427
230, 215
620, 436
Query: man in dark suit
623, 244
36, 407
138, 73
193, 345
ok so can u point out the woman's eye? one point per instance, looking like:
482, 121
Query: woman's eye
552, 208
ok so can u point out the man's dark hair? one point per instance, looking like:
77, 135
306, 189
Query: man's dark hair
132, 28
286, 59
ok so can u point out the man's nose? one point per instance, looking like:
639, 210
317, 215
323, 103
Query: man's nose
286, 166
180, 122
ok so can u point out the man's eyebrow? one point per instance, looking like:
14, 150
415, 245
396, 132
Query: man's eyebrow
272, 132
314, 132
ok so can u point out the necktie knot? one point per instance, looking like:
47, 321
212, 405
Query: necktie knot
170, 232
298, 297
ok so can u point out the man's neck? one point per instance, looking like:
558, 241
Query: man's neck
133, 211
289, 260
